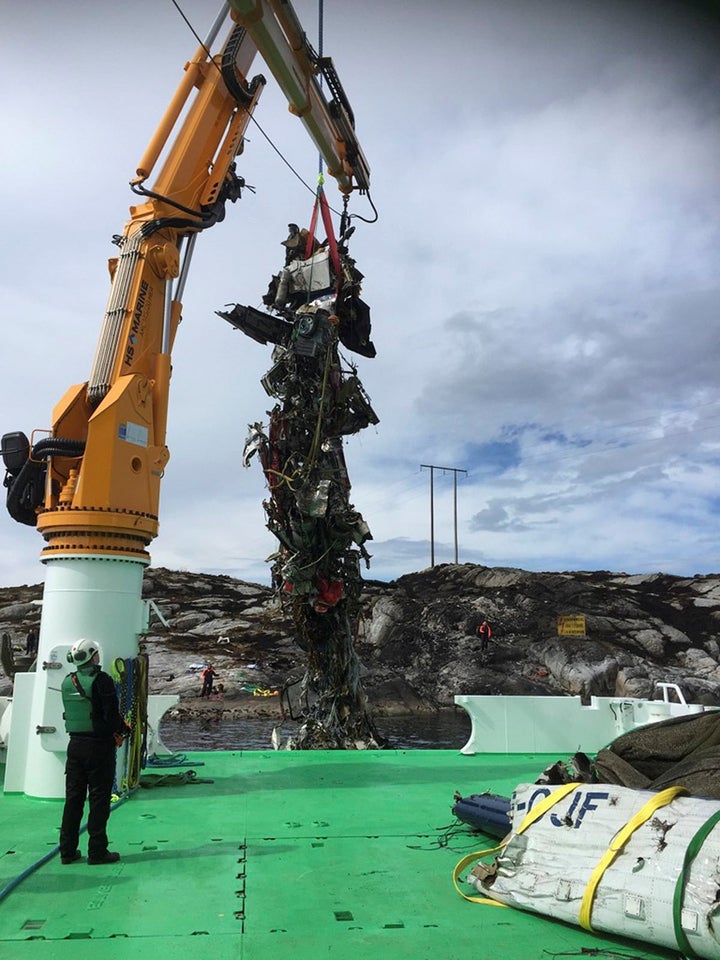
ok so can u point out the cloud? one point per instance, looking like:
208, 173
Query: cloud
496, 516
542, 276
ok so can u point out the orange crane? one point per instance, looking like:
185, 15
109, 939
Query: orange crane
91, 485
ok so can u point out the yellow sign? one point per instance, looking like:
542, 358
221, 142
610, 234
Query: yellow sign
571, 626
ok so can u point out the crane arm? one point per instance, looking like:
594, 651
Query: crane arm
93, 485
281, 41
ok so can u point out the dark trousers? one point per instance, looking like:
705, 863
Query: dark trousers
89, 772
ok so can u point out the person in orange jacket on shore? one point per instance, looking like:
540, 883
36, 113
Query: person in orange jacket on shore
208, 675
485, 633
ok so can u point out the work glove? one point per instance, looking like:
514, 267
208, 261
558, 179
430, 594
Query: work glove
125, 732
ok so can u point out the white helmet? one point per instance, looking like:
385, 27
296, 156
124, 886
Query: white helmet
82, 652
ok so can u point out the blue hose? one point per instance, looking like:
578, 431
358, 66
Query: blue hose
16, 881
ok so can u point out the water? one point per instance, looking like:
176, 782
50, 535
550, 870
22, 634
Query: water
448, 730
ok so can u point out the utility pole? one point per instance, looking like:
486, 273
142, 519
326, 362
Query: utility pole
455, 471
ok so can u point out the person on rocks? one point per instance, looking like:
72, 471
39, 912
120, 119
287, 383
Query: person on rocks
7, 656
31, 642
484, 631
93, 720
208, 675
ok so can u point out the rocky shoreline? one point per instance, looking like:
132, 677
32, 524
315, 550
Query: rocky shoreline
217, 709
418, 643
233, 698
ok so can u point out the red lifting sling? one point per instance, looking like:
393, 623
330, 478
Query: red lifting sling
321, 202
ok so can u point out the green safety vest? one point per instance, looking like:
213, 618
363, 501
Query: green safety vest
78, 712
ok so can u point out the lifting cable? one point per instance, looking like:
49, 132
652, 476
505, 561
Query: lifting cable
320, 56
320, 198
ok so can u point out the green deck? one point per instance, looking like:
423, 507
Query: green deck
300, 855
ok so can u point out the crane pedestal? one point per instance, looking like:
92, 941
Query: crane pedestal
93, 596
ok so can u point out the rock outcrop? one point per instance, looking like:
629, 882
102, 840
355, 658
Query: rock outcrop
418, 643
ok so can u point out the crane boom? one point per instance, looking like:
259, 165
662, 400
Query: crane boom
281, 41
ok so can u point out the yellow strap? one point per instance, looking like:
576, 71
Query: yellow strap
465, 862
617, 844
537, 811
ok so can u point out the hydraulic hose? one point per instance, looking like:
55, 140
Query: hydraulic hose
16, 881
57, 447
26, 488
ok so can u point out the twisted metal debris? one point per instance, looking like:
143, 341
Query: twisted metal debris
321, 536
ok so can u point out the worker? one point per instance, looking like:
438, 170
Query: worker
31, 642
484, 632
208, 675
93, 720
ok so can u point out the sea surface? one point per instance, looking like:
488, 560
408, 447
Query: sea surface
449, 730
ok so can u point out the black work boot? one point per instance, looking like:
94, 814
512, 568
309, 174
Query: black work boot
110, 856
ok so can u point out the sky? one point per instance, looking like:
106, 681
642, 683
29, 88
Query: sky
543, 273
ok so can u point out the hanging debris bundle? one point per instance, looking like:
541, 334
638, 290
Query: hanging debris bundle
320, 399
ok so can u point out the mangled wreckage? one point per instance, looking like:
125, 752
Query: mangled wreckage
316, 308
